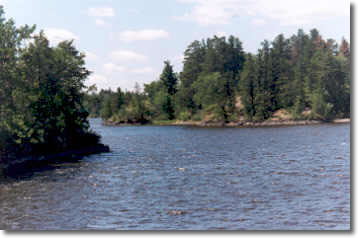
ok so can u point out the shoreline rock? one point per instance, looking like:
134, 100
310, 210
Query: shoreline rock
114, 123
343, 120
243, 124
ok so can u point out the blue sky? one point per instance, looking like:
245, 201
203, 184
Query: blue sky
127, 41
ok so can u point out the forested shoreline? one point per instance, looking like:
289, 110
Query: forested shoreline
45, 105
41, 95
303, 77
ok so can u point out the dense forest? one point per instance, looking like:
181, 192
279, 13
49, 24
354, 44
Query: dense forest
298, 78
41, 94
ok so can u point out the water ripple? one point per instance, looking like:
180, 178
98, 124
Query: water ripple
183, 178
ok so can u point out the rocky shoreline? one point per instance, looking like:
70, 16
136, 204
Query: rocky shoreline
38, 160
268, 123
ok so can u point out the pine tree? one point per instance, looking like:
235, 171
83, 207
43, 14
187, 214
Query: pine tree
192, 67
248, 87
169, 80
266, 87
281, 70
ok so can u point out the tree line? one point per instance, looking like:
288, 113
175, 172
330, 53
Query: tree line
41, 94
304, 75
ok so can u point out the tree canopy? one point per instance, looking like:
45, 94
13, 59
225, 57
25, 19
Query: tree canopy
304, 74
42, 93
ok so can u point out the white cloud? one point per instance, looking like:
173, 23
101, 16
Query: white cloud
220, 34
101, 12
126, 55
3, 2
148, 34
115, 68
302, 12
101, 81
286, 12
56, 35
125, 80
90, 56
144, 70
209, 12
177, 62
111, 67
113, 75
259, 22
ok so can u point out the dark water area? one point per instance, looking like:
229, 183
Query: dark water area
187, 178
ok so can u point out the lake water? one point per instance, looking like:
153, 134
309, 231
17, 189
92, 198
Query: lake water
187, 178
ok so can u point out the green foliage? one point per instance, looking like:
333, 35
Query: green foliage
265, 86
169, 79
298, 107
106, 111
301, 72
320, 107
198, 116
41, 93
248, 87
184, 116
152, 89
213, 91
220, 82
212, 55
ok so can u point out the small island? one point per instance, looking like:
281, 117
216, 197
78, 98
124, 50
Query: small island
42, 118
300, 80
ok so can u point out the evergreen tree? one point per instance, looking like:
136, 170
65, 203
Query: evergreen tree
248, 87
281, 71
169, 81
169, 78
265, 85
192, 67
296, 74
